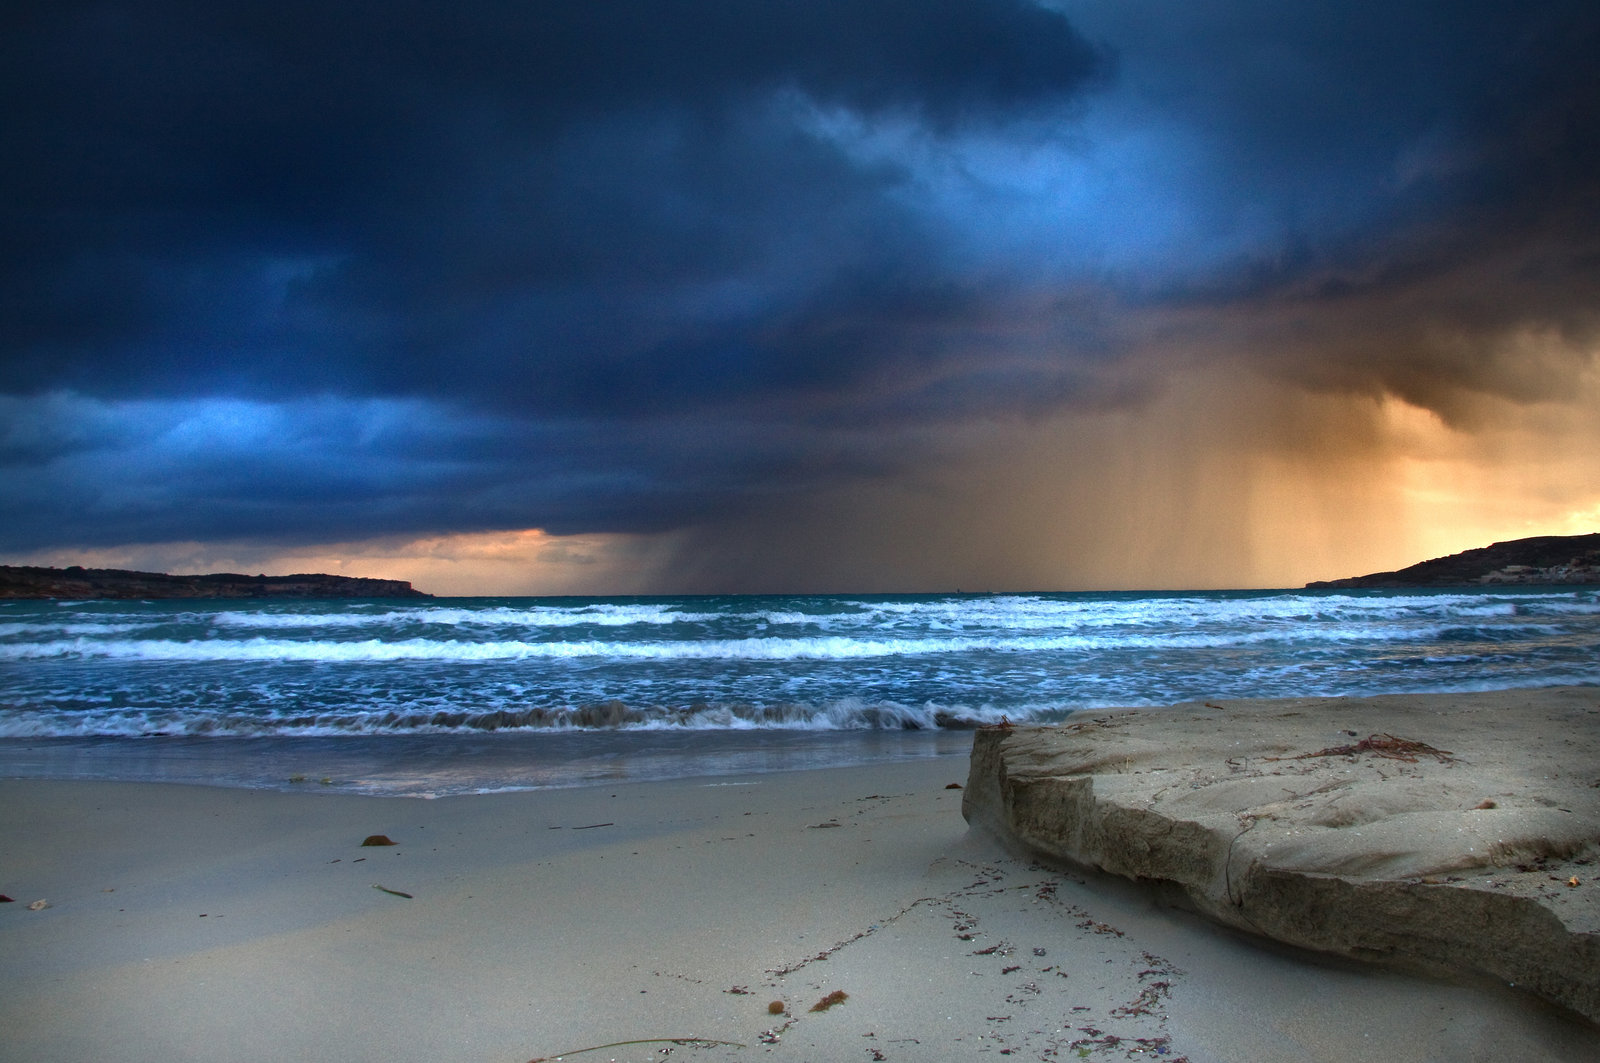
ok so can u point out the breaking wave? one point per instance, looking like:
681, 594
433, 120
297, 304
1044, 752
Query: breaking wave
474, 666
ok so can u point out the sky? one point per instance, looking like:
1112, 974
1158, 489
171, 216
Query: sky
604, 296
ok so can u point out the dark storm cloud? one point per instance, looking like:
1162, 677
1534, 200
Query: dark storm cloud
1436, 169
223, 195
323, 270
322, 469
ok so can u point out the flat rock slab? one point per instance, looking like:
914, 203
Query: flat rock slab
1328, 823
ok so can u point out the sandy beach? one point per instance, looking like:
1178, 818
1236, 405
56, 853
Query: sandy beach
199, 923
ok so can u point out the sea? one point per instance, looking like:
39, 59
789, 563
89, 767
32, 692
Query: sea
448, 696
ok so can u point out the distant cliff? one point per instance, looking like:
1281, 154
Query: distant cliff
1541, 559
23, 581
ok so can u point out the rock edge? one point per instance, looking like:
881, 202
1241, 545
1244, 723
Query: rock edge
1455, 864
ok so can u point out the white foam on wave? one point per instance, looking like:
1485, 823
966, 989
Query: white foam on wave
598, 615
850, 618
1562, 608
844, 714
69, 627
828, 647
1025, 612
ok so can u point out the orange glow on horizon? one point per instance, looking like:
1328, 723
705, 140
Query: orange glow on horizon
1214, 484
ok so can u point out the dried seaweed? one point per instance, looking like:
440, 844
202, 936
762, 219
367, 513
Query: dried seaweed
1148, 1000
1381, 745
838, 996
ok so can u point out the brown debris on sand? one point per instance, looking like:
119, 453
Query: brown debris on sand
838, 996
695, 1041
1383, 745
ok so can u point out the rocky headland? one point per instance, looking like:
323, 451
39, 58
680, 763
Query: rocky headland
1457, 834
24, 581
1557, 559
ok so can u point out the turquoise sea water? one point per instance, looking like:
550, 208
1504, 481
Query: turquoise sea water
520, 692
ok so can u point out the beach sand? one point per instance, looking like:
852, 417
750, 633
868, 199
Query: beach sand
198, 923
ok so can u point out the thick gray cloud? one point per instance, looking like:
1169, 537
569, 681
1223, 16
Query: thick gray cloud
372, 196
310, 271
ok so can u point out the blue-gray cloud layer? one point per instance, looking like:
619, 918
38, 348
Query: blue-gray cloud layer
304, 271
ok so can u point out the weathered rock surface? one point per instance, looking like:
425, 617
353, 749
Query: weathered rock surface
1270, 816
1542, 559
27, 581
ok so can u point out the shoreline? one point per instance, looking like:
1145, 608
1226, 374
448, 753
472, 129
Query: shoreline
188, 922
447, 765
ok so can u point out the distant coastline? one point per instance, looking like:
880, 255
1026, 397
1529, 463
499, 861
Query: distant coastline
27, 581
1542, 559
